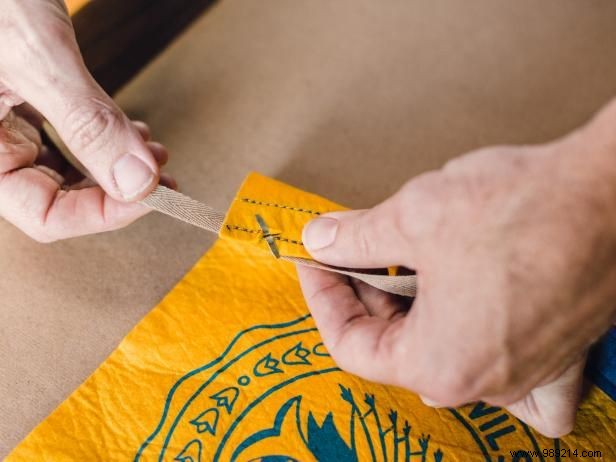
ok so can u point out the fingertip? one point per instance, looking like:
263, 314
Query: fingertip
134, 178
168, 181
355, 239
143, 129
159, 152
320, 233
430, 403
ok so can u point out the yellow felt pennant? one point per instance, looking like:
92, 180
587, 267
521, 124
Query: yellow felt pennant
230, 367
74, 5
283, 208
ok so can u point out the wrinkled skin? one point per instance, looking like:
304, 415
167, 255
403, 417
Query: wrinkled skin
40, 64
515, 253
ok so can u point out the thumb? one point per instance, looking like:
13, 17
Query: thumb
89, 122
103, 139
360, 238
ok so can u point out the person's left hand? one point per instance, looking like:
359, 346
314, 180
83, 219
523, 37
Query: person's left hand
41, 64
30, 165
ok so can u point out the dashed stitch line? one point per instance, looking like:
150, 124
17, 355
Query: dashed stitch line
286, 239
258, 231
279, 206
240, 228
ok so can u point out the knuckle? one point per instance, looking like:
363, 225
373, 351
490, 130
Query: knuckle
454, 389
362, 241
423, 196
416, 187
502, 379
63, 6
59, 31
423, 190
448, 384
476, 159
503, 376
92, 123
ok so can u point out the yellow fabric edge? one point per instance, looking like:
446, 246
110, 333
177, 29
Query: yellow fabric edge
285, 210
75, 5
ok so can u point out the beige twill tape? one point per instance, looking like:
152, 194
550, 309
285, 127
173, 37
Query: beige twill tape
188, 210
182, 207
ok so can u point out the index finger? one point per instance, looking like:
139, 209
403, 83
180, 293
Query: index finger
35, 203
368, 346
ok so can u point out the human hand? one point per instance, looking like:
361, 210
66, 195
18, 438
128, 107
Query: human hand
46, 197
515, 254
40, 63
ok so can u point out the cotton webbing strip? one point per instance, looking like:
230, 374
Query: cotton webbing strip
182, 207
188, 210
399, 285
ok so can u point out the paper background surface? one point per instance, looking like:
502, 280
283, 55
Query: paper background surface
348, 99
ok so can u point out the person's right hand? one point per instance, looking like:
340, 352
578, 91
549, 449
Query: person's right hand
515, 253
40, 63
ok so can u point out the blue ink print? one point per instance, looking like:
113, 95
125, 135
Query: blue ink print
275, 395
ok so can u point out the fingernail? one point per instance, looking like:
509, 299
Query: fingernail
429, 402
320, 233
132, 176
